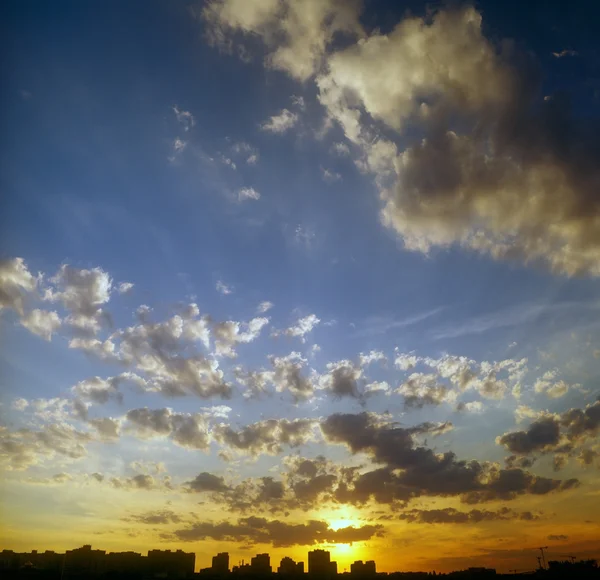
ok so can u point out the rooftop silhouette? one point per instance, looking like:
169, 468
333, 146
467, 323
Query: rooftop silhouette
85, 562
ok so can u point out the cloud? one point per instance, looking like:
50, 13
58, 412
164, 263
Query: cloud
16, 282
266, 437
177, 147
223, 288
420, 390
383, 324
256, 530
453, 516
470, 407
287, 376
248, 193
411, 471
565, 52
340, 149
558, 537
264, 306
83, 293
44, 323
447, 188
231, 333
108, 429
543, 434
553, 389
125, 287
330, 176
184, 429
142, 481
296, 32
371, 357
565, 433
207, 482
184, 118
25, 447
98, 390
280, 123
342, 380
246, 150
302, 327
304, 236
153, 518
20, 404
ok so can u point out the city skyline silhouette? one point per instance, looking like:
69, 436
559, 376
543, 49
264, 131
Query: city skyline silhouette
279, 276
87, 562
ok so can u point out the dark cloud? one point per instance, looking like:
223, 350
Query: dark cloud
256, 530
558, 537
342, 380
24, 447
493, 160
453, 516
563, 434
155, 518
207, 482
268, 436
185, 430
411, 470
542, 434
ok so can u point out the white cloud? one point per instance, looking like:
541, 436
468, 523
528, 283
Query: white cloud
247, 151
378, 387
550, 386
470, 407
447, 189
564, 53
83, 293
16, 282
296, 32
44, 323
330, 176
230, 333
298, 101
304, 236
264, 306
370, 357
184, 118
280, 123
248, 193
302, 327
523, 412
223, 288
340, 149
177, 148
20, 404
406, 362
125, 287
422, 389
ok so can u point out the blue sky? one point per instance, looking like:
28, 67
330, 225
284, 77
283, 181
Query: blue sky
196, 152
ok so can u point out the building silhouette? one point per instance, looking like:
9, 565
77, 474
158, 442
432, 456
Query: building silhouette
320, 564
85, 562
177, 564
261, 564
288, 567
360, 568
220, 563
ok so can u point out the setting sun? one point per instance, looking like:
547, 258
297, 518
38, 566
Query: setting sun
290, 288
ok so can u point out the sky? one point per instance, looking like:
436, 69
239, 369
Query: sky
279, 275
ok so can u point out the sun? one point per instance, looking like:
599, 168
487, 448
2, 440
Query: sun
339, 523
345, 517
342, 549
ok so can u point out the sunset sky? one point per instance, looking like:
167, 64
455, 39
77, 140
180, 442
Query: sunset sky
286, 274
